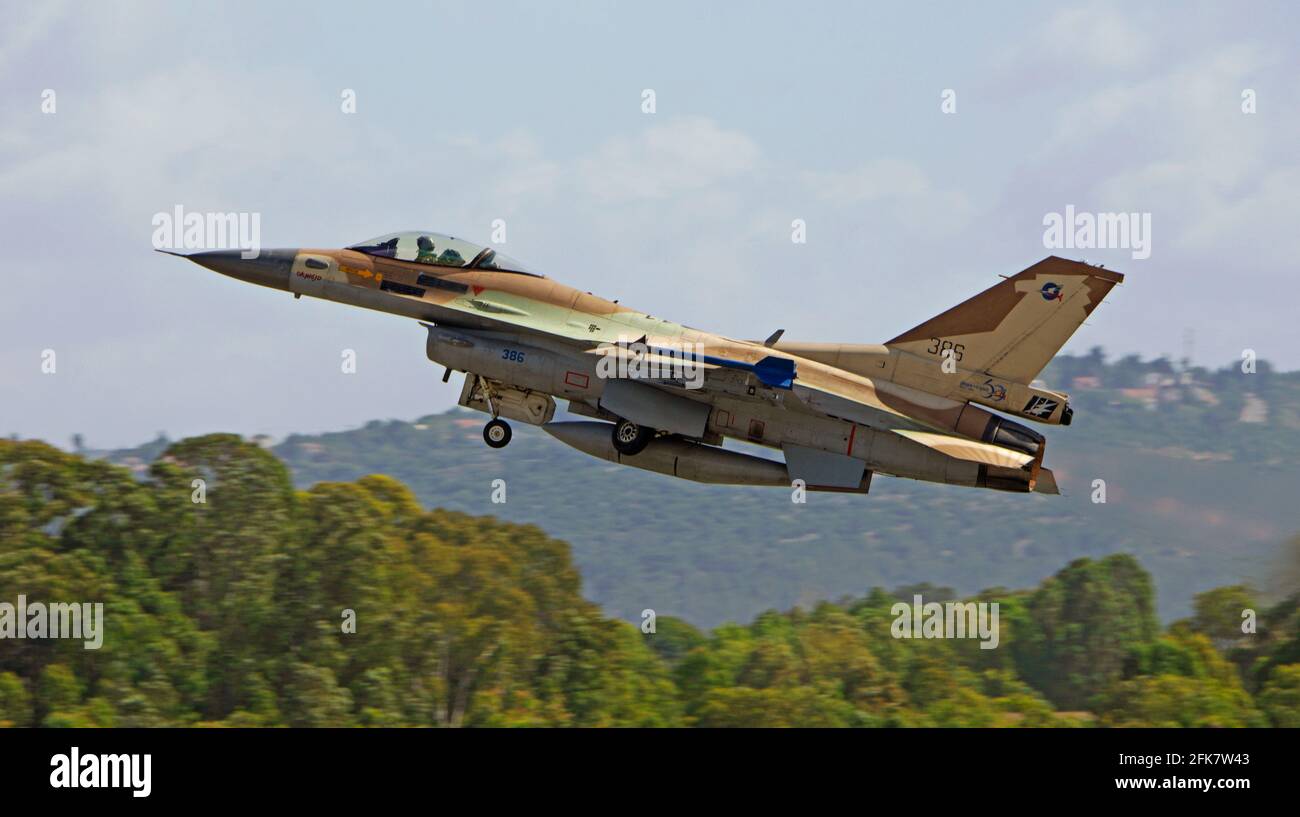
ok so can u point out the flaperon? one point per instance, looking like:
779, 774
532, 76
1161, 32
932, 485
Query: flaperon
915, 406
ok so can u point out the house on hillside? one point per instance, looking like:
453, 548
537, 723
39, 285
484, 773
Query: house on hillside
1255, 410
1148, 396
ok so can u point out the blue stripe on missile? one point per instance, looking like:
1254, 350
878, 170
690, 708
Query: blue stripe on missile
777, 372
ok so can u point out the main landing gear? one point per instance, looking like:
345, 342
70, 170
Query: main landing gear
630, 438
497, 433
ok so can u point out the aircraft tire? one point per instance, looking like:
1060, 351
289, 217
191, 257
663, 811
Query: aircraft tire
630, 438
497, 433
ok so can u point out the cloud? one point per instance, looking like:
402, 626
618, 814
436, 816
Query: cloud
877, 179
1095, 36
26, 25
683, 155
1177, 144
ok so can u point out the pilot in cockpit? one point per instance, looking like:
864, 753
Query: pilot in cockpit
427, 253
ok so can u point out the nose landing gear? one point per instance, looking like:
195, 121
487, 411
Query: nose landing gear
497, 433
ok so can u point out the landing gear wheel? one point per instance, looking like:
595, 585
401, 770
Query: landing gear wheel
497, 433
630, 438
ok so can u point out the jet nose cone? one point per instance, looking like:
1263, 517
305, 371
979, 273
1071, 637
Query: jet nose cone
271, 268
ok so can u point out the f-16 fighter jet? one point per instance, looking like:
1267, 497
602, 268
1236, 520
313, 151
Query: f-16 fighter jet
663, 397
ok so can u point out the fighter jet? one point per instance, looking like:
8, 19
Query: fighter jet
935, 403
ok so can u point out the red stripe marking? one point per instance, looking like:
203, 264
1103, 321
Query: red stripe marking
576, 379
853, 430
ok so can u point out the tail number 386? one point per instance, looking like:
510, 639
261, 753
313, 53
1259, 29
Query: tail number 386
938, 347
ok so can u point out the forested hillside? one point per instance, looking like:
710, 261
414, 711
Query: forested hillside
1200, 469
229, 606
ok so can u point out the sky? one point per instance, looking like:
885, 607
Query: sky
922, 145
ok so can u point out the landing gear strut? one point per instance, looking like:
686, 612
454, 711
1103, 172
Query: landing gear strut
497, 433
630, 438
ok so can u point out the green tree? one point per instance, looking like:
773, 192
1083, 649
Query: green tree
1218, 613
1280, 698
15, 701
1082, 625
1177, 700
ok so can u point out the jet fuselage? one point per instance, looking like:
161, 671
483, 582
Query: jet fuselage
845, 410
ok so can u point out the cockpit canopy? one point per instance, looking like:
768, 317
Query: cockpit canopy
427, 247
